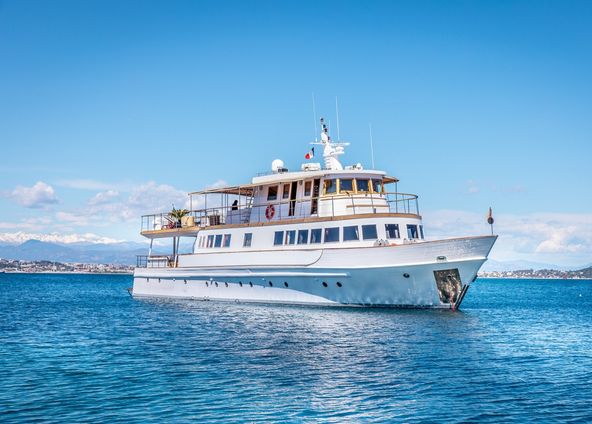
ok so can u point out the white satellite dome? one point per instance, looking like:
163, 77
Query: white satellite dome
277, 165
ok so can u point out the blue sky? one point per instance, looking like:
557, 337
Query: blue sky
111, 109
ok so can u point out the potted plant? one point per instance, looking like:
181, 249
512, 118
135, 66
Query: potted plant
176, 215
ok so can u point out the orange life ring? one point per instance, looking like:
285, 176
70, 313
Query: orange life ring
269, 212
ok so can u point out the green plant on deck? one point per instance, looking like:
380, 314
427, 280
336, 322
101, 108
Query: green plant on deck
177, 214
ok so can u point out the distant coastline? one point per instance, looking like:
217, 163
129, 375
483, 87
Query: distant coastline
13, 266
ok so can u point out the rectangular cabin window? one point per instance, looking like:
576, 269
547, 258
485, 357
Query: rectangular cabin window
331, 235
421, 231
351, 233
346, 185
363, 186
291, 237
315, 235
307, 188
211, 241
412, 231
377, 186
226, 242
218, 240
392, 231
369, 232
330, 186
272, 193
248, 239
278, 238
286, 193
302, 236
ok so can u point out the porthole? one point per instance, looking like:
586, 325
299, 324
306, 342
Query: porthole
250, 284
285, 283
207, 285
159, 280
240, 283
339, 284
406, 275
270, 284
216, 283
147, 279
324, 284
226, 284
185, 281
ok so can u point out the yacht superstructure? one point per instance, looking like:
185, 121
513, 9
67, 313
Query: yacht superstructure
325, 235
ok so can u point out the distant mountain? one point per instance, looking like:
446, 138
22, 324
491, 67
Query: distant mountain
499, 266
35, 250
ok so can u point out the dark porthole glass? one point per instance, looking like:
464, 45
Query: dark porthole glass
226, 284
339, 284
207, 285
270, 284
324, 284
216, 283
250, 284
286, 283
406, 275
185, 281
240, 283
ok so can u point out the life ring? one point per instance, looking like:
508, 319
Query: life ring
269, 212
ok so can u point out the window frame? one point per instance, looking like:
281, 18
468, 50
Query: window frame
210, 242
396, 228
290, 237
270, 196
309, 184
247, 239
278, 238
319, 236
409, 228
226, 240
218, 241
334, 181
368, 185
286, 193
298, 237
331, 230
353, 187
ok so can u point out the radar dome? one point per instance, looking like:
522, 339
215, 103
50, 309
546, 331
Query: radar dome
277, 165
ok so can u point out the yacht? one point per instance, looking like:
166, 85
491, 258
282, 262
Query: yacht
326, 234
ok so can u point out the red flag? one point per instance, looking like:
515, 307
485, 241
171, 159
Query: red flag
310, 154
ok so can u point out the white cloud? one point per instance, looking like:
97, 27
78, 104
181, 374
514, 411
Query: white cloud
21, 237
562, 238
472, 187
103, 197
85, 184
38, 196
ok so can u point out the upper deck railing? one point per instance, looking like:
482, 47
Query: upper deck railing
342, 204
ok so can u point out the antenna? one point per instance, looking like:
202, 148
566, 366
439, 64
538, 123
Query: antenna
371, 145
314, 117
337, 112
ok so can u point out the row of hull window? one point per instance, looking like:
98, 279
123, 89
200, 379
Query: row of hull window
215, 240
332, 186
349, 233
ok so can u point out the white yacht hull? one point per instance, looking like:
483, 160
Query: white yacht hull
425, 274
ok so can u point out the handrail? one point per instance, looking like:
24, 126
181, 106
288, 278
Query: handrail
395, 202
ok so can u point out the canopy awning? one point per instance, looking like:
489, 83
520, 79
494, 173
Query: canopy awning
243, 190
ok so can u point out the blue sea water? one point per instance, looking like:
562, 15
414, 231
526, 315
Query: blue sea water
78, 348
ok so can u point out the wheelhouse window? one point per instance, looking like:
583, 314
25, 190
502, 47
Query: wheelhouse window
377, 186
315, 235
331, 235
346, 185
421, 231
291, 237
351, 233
392, 231
363, 186
272, 192
248, 239
210, 241
278, 238
226, 242
412, 231
330, 186
307, 188
286, 192
218, 240
302, 236
369, 232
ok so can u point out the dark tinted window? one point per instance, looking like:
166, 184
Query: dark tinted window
331, 234
351, 233
307, 188
363, 185
377, 185
226, 242
278, 238
291, 237
248, 239
302, 236
346, 184
421, 231
211, 241
272, 193
218, 241
369, 232
315, 235
286, 191
392, 231
412, 231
